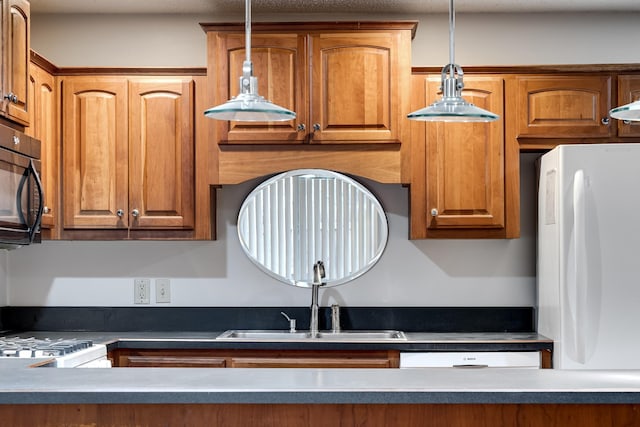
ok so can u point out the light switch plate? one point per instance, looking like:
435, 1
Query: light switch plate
163, 290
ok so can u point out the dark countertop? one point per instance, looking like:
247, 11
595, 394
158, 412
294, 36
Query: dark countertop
20, 383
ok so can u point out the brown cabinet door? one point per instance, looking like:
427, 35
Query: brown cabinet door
95, 152
459, 173
308, 362
563, 106
43, 120
161, 153
628, 91
465, 162
16, 60
279, 63
354, 87
160, 361
230, 358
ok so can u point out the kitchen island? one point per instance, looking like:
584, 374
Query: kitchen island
188, 396
293, 396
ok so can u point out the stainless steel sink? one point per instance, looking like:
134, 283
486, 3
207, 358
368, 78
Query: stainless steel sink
344, 336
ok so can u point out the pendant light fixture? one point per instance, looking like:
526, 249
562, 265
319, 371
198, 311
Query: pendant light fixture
248, 106
628, 112
452, 107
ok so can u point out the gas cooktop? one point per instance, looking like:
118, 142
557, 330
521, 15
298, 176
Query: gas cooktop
65, 352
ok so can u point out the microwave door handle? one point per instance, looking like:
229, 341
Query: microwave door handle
36, 222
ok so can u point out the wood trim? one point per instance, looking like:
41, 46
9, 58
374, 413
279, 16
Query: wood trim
132, 71
541, 69
43, 63
310, 26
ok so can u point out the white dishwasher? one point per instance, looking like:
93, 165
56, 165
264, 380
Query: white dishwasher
473, 359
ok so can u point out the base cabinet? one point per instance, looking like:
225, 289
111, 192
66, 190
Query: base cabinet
255, 358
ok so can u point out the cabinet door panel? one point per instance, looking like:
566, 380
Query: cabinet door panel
279, 64
563, 106
171, 362
17, 45
308, 362
628, 91
353, 87
465, 163
43, 115
161, 162
95, 153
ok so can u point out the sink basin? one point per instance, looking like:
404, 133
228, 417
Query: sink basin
345, 336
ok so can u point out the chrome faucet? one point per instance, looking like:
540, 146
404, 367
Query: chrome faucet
318, 275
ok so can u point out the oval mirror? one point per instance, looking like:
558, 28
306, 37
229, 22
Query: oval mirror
292, 220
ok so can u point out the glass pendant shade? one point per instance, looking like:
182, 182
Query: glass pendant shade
248, 106
629, 112
452, 107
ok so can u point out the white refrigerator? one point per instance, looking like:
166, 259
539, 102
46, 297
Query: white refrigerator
589, 255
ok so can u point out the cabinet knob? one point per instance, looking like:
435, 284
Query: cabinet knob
605, 121
120, 213
434, 212
46, 210
135, 213
16, 140
626, 122
316, 126
12, 97
301, 127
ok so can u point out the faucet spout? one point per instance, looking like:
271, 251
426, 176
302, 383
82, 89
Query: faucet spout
313, 323
318, 275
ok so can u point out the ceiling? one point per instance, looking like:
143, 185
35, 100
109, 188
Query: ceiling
322, 6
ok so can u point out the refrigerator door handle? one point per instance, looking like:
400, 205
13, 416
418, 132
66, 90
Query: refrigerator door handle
578, 293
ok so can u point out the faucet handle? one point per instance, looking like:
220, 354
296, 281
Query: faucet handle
318, 273
335, 318
292, 322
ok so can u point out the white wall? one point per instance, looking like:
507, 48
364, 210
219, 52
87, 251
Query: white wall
481, 39
410, 273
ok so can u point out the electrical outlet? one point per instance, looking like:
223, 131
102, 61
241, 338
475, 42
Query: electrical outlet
163, 290
141, 291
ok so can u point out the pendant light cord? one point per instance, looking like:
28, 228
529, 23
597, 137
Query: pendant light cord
452, 25
247, 28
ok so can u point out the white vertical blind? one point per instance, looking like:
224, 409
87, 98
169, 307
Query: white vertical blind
295, 219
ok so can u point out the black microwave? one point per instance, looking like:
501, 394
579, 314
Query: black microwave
21, 193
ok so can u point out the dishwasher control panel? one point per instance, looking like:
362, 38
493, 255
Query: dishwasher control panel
474, 359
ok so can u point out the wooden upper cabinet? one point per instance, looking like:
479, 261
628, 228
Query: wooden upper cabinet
43, 99
460, 180
563, 106
345, 85
161, 153
279, 62
354, 87
95, 152
16, 24
628, 91
128, 154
